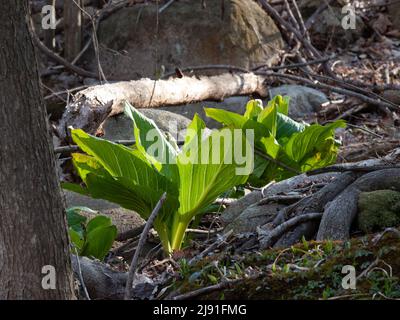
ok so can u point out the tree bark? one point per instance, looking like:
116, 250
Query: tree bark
33, 230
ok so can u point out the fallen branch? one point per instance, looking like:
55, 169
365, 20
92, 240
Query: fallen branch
88, 108
211, 248
216, 287
142, 240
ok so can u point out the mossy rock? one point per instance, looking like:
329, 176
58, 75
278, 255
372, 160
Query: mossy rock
378, 209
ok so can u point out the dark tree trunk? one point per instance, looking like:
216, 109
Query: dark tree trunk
32, 218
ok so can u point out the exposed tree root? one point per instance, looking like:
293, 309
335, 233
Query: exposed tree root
341, 212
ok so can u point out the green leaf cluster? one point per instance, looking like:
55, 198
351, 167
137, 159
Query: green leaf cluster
93, 238
286, 144
136, 177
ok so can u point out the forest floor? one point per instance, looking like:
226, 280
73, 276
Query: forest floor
310, 269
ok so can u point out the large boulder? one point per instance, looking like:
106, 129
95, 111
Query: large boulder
120, 127
378, 209
236, 32
304, 101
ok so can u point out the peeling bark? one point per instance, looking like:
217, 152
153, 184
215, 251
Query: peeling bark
93, 105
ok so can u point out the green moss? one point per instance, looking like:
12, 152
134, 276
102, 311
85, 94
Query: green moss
322, 279
378, 209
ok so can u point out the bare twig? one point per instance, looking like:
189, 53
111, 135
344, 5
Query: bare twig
295, 65
211, 248
302, 26
58, 58
275, 15
142, 240
355, 167
80, 275
216, 287
320, 85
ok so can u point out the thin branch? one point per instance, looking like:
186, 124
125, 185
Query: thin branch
81, 275
216, 287
58, 58
295, 65
275, 15
211, 248
321, 85
352, 167
207, 67
142, 240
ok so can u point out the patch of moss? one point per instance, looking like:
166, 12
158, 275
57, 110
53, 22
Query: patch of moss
318, 272
378, 209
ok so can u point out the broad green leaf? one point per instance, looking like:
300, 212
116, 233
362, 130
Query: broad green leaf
97, 222
76, 238
253, 109
259, 129
99, 241
120, 161
268, 117
75, 219
194, 131
270, 146
153, 143
202, 182
230, 119
287, 126
75, 188
282, 104
85, 164
315, 146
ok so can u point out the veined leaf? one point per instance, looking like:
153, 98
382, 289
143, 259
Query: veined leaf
215, 173
194, 131
118, 160
268, 117
153, 143
253, 109
315, 146
287, 126
99, 241
229, 119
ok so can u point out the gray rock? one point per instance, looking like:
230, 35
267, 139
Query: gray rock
238, 33
73, 199
234, 104
120, 127
303, 100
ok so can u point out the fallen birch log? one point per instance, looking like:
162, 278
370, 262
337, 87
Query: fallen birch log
90, 107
